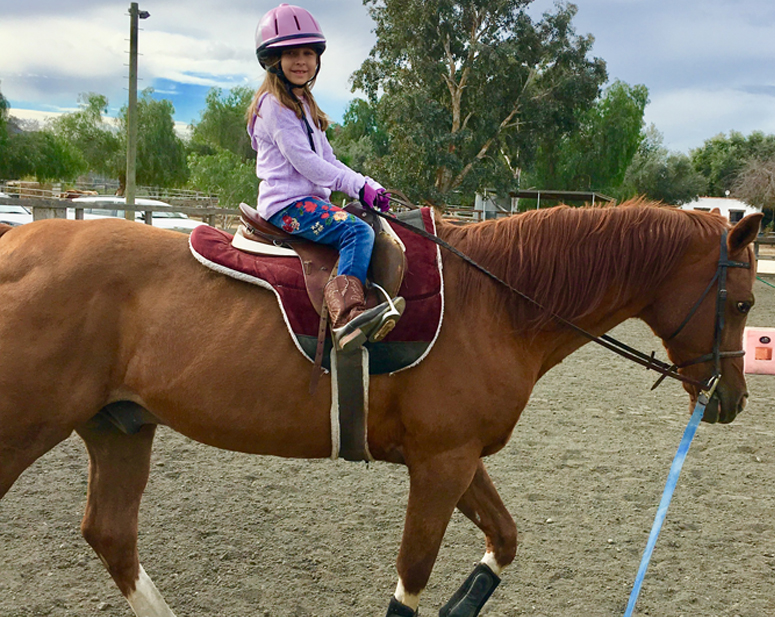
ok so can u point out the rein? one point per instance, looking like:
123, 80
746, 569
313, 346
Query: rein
610, 343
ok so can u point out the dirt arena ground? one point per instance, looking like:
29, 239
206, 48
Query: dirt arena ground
232, 535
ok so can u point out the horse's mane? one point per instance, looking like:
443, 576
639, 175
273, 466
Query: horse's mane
573, 260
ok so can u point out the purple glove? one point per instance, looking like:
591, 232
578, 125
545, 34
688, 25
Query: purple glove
376, 199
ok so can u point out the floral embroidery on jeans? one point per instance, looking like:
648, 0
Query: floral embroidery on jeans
315, 219
290, 224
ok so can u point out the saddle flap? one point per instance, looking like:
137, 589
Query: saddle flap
388, 257
388, 263
407, 345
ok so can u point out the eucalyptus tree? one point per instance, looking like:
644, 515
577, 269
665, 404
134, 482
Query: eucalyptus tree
660, 174
467, 90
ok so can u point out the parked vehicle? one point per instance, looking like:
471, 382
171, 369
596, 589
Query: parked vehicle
107, 206
13, 214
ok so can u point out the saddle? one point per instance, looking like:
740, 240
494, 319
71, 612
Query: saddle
262, 255
386, 270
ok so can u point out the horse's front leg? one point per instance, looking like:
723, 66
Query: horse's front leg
436, 483
482, 504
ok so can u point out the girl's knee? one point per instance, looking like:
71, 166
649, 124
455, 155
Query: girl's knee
360, 232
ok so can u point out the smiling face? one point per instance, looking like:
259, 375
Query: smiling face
299, 65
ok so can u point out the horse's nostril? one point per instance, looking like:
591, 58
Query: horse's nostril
742, 402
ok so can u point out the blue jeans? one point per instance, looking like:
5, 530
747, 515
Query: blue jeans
319, 221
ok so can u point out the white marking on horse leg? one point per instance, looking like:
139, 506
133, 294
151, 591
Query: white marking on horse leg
407, 599
490, 562
145, 600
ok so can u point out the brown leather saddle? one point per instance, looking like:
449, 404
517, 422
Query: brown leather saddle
388, 259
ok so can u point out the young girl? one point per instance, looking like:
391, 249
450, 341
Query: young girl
299, 170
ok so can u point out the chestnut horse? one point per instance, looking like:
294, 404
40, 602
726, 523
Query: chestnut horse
97, 312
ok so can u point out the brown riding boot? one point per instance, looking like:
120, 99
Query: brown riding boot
351, 322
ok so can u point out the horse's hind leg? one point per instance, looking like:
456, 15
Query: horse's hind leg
482, 504
118, 471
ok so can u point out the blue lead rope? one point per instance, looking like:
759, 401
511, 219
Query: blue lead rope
667, 495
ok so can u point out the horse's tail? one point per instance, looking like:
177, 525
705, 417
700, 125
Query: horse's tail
4, 228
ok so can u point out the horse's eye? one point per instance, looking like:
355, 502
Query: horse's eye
744, 307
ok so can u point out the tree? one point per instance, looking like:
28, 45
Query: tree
755, 184
721, 159
661, 175
469, 87
224, 174
44, 155
597, 154
222, 123
359, 140
86, 129
161, 154
4, 106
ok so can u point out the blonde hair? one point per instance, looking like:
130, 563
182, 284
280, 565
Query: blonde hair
274, 85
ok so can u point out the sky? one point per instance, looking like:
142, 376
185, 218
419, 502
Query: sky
709, 65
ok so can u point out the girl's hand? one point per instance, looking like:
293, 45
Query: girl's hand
376, 199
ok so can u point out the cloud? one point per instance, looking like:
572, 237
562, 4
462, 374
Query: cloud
51, 53
706, 63
687, 117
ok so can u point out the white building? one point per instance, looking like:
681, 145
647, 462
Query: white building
733, 209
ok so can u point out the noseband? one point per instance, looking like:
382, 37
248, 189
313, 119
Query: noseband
649, 361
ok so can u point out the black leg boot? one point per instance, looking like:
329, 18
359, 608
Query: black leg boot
396, 609
473, 593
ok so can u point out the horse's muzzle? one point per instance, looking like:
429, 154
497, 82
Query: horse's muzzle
723, 407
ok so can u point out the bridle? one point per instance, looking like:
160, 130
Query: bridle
649, 361
724, 263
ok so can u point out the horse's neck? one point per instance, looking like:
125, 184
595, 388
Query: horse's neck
547, 340
589, 285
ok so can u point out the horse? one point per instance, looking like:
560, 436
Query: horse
98, 313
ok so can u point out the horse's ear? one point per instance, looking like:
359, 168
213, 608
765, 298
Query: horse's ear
744, 232
716, 211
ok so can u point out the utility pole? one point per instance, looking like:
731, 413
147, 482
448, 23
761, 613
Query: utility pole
135, 14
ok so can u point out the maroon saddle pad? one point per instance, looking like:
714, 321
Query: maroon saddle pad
409, 342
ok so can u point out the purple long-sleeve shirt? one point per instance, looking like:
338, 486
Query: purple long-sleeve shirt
287, 165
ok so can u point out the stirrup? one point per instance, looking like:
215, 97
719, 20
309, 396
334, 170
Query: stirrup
373, 325
390, 317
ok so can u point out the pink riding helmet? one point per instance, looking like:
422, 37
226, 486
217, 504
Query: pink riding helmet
284, 27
